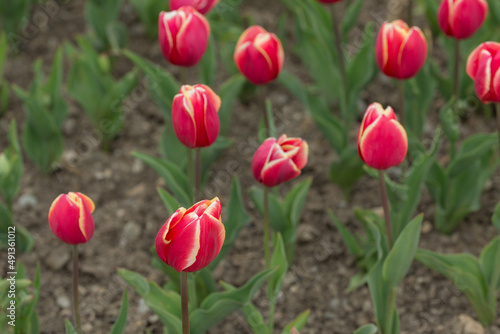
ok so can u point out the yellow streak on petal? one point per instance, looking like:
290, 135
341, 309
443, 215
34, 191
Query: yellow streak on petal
260, 39
194, 252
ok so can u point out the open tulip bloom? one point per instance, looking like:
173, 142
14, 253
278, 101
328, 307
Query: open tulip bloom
483, 66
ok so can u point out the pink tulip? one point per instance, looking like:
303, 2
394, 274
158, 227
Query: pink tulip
462, 18
203, 6
483, 66
382, 141
183, 36
194, 115
70, 218
191, 239
277, 161
259, 55
400, 51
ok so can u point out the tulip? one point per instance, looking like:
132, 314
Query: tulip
191, 239
194, 115
259, 55
277, 161
183, 35
461, 18
382, 141
483, 66
329, 1
70, 218
400, 51
203, 6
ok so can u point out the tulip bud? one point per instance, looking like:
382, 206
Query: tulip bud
183, 36
382, 141
400, 51
259, 55
461, 18
70, 218
483, 66
203, 6
191, 239
277, 161
194, 115
294, 331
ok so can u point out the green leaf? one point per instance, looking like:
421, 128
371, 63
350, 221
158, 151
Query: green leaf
210, 154
299, 323
490, 265
346, 171
366, 329
295, 200
167, 305
208, 64
494, 7
11, 167
69, 327
121, 320
170, 202
495, 219
136, 281
351, 17
171, 148
349, 239
277, 218
279, 261
401, 256
147, 11
228, 92
219, 305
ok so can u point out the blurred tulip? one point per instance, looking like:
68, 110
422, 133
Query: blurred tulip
294, 331
382, 141
194, 115
203, 6
329, 1
183, 35
400, 51
461, 18
259, 55
483, 66
70, 218
277, 161
191, 239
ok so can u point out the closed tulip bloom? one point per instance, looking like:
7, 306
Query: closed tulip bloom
483, 66
70, 218
183, 35
191, 239
277, 161
259, 55
203, 6
195, 115
382, 141
400, 51
462, 18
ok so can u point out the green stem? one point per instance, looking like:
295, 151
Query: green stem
410, 13
401, 91
262, 100
272, 308
385, 204
76, 306
197, 184
456, 77
184, 303
190, 169
266, 227
183, 75
498, 122
391, 306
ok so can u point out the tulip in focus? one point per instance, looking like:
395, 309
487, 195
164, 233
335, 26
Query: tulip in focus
194, 115
382, 141
183, 35
461, 18
277, 161
400, 51
483, 66
70, 218
191, 239
203, 6
259, 55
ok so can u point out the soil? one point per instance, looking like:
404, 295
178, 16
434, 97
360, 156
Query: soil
129, 211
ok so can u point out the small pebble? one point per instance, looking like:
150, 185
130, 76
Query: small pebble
63, 302
27, 201
57, 259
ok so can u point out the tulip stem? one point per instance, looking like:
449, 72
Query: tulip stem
267, 122
190, 170
410, 12
183, 75
184, 303
76, 306
266, 227
197, 185
401, 89
385, 204
456, 78
498, 122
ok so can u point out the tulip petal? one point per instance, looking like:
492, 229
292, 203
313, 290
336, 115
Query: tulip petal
183, 120
496, 86
467, 17
161, 241
183, 250
279, 171
482, 82
413, 54
261, 157
444, 16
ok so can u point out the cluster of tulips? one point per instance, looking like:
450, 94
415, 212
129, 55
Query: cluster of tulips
192, 238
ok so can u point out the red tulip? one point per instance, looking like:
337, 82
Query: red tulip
203, 6
277, 161
329, 1
382, 141
70, 218
259, 55
483, 66
191, 239
400, 51
194, 115
183, 36
462, 18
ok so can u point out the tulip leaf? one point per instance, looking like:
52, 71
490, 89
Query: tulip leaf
346, 171
379, 291
205, 284
279, 261
147, 11
277, 217
210, 154
490, 265
102, 16
495, 219
136, 281
350, 17
208, 64
68, 327
401, 255
299, 323
219, 305
229, 92
174, 178
366, 329
237, 218
170, 202
349, 239
121, 320
295, 200
11, 168
494, 7
171, 148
